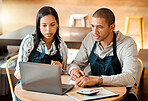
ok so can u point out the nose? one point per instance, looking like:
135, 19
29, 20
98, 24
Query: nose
95, 30
48, 29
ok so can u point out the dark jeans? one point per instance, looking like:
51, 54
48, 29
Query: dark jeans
17, 99
130, 97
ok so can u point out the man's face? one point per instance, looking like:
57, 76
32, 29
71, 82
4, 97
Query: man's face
100, 29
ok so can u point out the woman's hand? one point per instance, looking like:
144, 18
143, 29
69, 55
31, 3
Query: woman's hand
18, 76
57, 63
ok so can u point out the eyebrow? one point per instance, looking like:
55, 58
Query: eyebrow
96, 25
50, 23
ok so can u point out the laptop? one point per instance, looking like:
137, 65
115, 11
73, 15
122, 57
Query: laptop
42, 78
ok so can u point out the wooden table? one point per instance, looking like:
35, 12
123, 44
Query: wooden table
36, 96
73, 36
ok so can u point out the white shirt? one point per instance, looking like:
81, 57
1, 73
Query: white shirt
126, 52
27, 46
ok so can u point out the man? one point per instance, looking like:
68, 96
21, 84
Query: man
111, 55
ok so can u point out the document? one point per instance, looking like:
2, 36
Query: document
103, 93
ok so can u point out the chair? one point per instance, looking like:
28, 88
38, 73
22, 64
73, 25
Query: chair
8, 75
139, 75
135, 20
143, 55
82, 17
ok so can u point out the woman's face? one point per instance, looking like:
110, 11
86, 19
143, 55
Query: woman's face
48, 26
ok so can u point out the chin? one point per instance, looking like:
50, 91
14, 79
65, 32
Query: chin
49, 37
98, 40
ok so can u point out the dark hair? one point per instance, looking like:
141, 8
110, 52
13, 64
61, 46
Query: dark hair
46, 10
105, 13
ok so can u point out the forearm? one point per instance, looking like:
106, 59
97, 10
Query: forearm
71, 67
123, 79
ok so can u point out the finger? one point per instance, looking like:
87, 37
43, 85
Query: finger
81, 83
82, 72
51, 61
56, 63
73, 77
78, 74
78, 81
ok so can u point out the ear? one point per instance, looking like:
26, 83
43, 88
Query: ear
112, 27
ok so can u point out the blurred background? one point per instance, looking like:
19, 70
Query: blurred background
16, 14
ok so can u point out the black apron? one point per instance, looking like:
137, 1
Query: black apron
107, 66
38, 57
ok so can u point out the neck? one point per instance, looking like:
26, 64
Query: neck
107, 41
48, 42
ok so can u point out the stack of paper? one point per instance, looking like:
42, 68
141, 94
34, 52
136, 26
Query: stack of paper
102, 94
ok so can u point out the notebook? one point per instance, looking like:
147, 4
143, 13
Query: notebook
42, 78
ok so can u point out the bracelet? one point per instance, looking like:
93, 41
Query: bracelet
99, 78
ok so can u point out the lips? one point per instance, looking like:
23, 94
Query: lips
49, 34
96, 37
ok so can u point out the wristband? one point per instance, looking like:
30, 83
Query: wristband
99, 78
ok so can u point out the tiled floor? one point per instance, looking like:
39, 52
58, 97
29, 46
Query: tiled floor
142, 92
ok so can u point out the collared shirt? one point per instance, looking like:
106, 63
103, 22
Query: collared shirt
126, 52
27, 46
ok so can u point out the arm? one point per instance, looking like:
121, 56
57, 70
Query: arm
80, 62
63, 52
24, 52
82, 58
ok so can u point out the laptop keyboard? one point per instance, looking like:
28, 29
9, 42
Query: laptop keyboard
65, 87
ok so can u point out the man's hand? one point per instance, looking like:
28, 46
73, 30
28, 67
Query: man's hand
87, 81
75, 74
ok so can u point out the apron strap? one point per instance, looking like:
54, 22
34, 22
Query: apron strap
114, 44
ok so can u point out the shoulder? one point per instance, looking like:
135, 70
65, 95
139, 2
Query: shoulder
124, 39
62, 43
29, 39
125, 42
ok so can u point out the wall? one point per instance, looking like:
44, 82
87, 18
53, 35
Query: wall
19, 13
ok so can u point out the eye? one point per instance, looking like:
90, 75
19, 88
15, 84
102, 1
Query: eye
100, 26
52, 24
44, 25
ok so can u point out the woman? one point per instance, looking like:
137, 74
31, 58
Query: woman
45, 46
